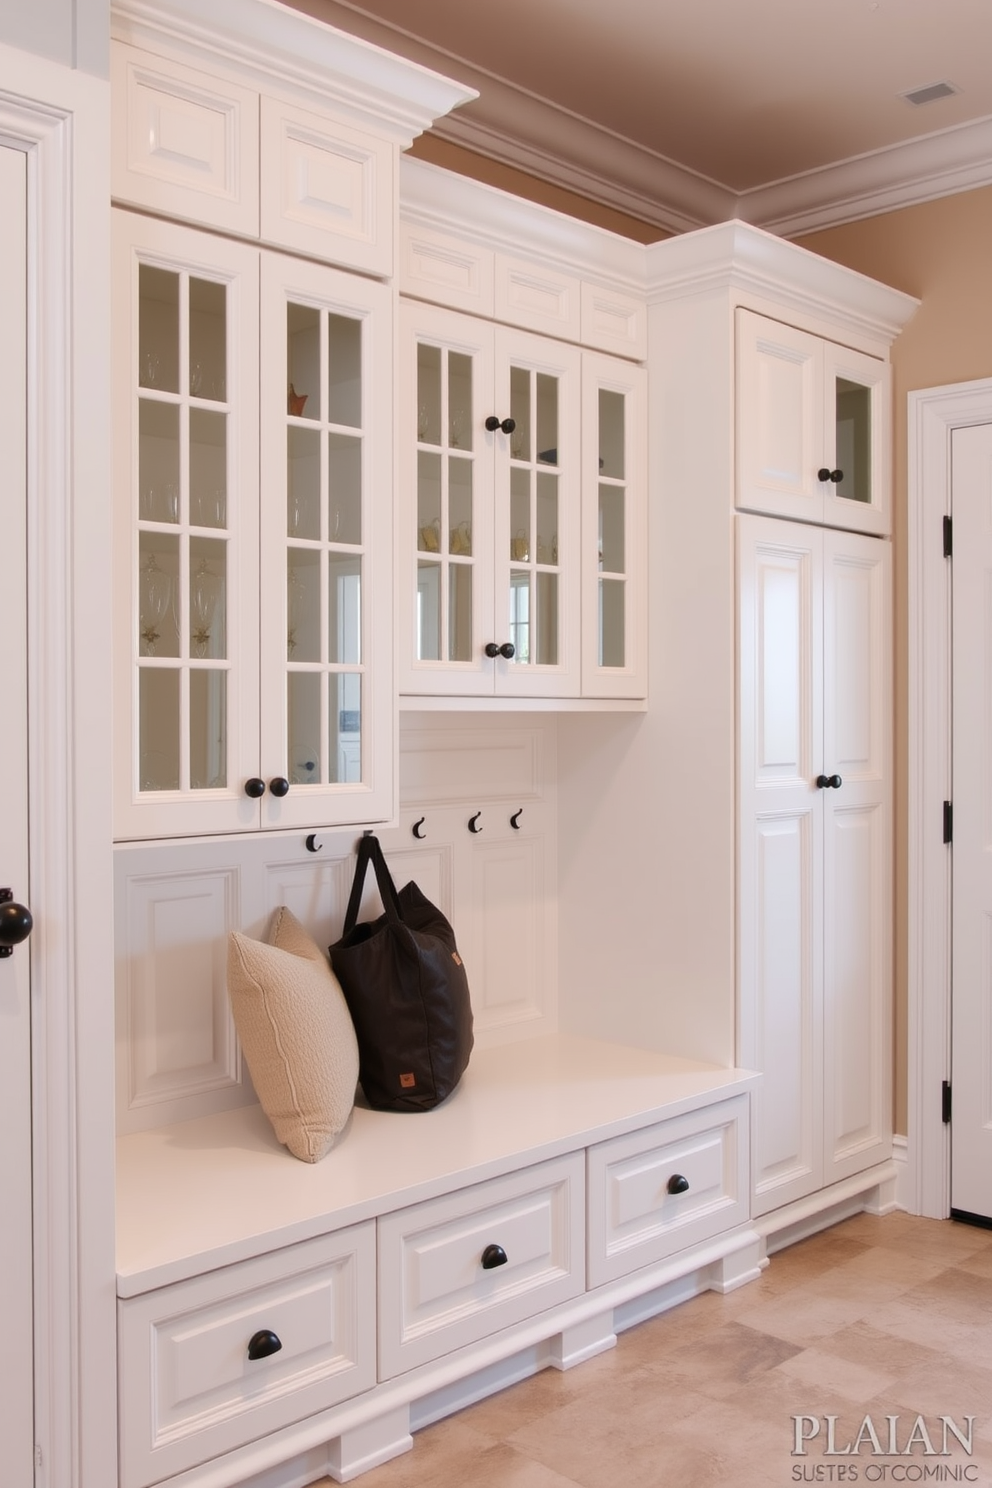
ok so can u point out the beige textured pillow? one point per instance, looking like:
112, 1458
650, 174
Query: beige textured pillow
296, 1033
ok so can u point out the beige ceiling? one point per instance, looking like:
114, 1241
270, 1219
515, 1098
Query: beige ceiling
742, 93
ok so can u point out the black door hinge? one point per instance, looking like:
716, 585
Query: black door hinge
948, 822
947, 537
945, 1101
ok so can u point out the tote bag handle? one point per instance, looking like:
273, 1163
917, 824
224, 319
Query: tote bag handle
370, 851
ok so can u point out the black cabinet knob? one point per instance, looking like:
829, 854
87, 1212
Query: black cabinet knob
492, 649
508, 650
493, 1256
279, 786
254, 787
507, 425
16, 922
678, 1183
829, 782
823, 474
263, 1343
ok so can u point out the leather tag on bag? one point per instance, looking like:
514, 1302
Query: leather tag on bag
407, 1081
456, 958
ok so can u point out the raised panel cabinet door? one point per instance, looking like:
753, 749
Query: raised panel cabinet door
325, 647
538, 518
614, 528
779, 419
857, 846
185, 530
780, 880
445, 516
856, 434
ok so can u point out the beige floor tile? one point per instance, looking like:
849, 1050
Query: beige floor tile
855, 1381
864, 1343
801, 1318
723, 1360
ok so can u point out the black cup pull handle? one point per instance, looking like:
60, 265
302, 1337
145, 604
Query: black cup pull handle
263, 1343
678, 1183
493, 1256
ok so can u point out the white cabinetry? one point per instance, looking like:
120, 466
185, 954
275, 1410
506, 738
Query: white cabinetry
253, 642
815, 841
813, 427
522, 473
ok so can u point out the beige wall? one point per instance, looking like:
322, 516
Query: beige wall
942, 253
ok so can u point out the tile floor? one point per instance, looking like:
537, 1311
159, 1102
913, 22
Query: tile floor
877, 1316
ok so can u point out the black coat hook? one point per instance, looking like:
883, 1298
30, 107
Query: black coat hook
417, 826
515, 819
312, 844
472, 822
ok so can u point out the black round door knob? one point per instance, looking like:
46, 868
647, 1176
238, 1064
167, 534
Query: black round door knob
279, 786
678, 1183
263, 1343
493, 1256
492, 650
829, 782
16, 922
254, 787
823, 474
507, 425
508, 650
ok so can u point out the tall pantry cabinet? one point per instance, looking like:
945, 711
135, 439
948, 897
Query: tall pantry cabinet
761, 779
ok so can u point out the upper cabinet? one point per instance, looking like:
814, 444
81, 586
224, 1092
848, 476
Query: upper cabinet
522, 520
812, 427
253, 641
267, 124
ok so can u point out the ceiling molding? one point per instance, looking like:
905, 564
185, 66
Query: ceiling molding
922, 169
532, 135
520, 129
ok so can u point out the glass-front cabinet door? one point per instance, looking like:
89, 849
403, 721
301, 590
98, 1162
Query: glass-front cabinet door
490, 522
855, 416
326, 570
614, 564
811, 416
252, 637
186, 529
538, 516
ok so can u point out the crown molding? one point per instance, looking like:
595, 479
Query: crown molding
517, 128
922, 169
437, 199
259, 40
739, 256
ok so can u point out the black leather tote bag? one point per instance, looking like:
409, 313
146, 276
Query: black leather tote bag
407, 992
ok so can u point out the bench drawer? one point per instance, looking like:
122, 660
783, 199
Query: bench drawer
655, 1191
189, 1389
437, 1291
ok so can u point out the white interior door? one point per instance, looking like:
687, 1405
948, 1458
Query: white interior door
971, 1012
16, 1396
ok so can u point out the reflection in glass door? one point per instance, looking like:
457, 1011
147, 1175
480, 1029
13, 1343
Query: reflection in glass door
446, 515
534, 518
325, 545
183, 418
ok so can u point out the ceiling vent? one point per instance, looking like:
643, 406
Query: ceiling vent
928, 94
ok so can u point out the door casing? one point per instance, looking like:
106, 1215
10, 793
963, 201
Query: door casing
933, 415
